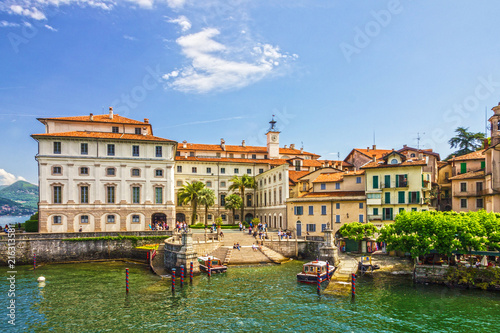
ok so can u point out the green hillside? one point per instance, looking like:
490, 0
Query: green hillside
23, 193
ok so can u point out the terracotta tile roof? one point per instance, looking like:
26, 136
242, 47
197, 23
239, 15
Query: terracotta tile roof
100, 118
295, 175
331, 163
476, 155
442, 164
336, 176
103, 135
333, 194
382, 164
274, 162
424, 151
469, 175
238, 149
379, 153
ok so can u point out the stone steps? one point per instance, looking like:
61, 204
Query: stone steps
221, 253
247, 256
276, 257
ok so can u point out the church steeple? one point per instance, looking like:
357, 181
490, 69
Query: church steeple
495, 125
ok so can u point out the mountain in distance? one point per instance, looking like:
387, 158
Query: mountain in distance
19, 198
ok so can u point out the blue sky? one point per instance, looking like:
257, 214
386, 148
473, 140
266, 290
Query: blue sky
333, 72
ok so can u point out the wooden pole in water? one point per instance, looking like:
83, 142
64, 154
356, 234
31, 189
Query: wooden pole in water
209, 267
327, 271
173, 280
126, 279
353, 285
182, 276
319, 283
191, 272
34, 260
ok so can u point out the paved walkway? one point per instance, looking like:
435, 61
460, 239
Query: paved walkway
340, 284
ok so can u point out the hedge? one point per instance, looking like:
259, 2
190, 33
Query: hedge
31, 226
198, 226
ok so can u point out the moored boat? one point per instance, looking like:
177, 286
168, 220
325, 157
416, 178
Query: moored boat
311, 269
216, 264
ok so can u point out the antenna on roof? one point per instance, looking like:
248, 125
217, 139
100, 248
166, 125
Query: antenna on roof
485, 122
338, 155
418, 138
374, 143
302, 144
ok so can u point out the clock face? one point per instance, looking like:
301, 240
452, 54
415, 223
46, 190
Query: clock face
274, 137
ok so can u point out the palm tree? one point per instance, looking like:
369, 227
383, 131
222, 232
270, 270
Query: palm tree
233, 202
240, 184
466, 141
190, 193
206, 198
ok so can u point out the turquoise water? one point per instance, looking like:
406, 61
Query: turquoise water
90, 297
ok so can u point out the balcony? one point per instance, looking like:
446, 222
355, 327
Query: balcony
374, 217
471, 193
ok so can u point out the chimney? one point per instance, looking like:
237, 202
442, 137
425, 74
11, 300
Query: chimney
146, 120
292, 146
374, 147
301, 149
110, 112
144, 130
223, 144
367, 148
185, 155
91, 117
420, 156
243, 143
285, 146
486, 144
374, 157
184, 144
404, 146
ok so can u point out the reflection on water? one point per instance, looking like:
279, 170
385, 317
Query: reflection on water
91, 297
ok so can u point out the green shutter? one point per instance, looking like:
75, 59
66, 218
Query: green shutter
401, 197
409, 197
375, 181
390, 212
418, 197
387, 198
423, 185
482, 164
401, 210
375, 211
463, 167
397, 180
387, 181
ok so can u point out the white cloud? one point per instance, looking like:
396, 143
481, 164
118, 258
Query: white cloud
129, 37
183, 22
8, 178
34, 13
212, 69
143, 3
176, 3
50, 28
5, 24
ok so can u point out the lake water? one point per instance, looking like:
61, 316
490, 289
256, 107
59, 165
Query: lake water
90, 297
13, 219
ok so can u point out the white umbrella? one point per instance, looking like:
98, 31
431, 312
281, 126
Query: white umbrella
484, 261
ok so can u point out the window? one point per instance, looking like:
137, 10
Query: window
159, 151
337, 186
57, 147
56, 170
222, 184
179, 183
375, 182
297, 165
479, 187
136, 172
254, 156
110, 171
249, 200
84, 219
135, 150
387, 198
110, 194
158, 195
223, 216
209, 183
57, 219
84, 148
57, 194
483, 164
158, 173
279, 176
274, 179
323, 210
194, 170
84, 194
463, 167
311, 227
479, 203
179, 168
387, 214
401, 197
394, 161
311, 210
337, 218
337, 205
413, 197
209, 170
298, 210
249, 171
110, 219
361, 218
236, 217
463, 203
261, 171
401, 180
401, 210
209, 216
387, 181
138, 130
136, 219
84, 171
360, 205
136, 194
265, 157
358, 180
323, 227
236, 170
111, 150
231, 155
413, 209
375, 211
323, 186
222, 170
114, 129
242, 155
222, 199
191, 153
177, 153
463, 187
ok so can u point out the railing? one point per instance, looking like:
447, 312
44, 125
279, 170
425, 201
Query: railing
468, 194
374, 217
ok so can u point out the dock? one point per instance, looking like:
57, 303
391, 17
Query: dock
340, 283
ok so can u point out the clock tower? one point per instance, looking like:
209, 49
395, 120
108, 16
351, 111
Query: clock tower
273, 140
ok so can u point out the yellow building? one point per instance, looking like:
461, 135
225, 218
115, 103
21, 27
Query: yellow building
397, 183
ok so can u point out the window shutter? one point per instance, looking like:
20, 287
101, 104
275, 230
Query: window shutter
375, 181
397, 180
418, 197
463, 167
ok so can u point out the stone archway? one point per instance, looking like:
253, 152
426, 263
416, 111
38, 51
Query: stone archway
248, 217
180, 217
158, 219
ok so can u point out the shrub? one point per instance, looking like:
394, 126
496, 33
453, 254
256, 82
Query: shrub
31, 226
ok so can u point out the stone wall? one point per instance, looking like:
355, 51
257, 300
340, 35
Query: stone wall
52, 247
287, 247
181, 252
430, 274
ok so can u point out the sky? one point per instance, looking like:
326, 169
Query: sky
337, 75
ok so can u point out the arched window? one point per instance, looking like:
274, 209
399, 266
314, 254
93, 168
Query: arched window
394, 161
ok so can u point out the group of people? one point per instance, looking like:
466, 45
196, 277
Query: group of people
256, 247
180, 226
284, 234
237, 246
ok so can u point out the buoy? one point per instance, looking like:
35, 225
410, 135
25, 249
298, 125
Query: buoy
41, 279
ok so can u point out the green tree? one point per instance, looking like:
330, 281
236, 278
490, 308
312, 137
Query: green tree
357, 231
190, 194
207, 199
239, 184
233, 202
467, 142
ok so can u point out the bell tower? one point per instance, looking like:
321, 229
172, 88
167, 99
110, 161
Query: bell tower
495, 125
273, 140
